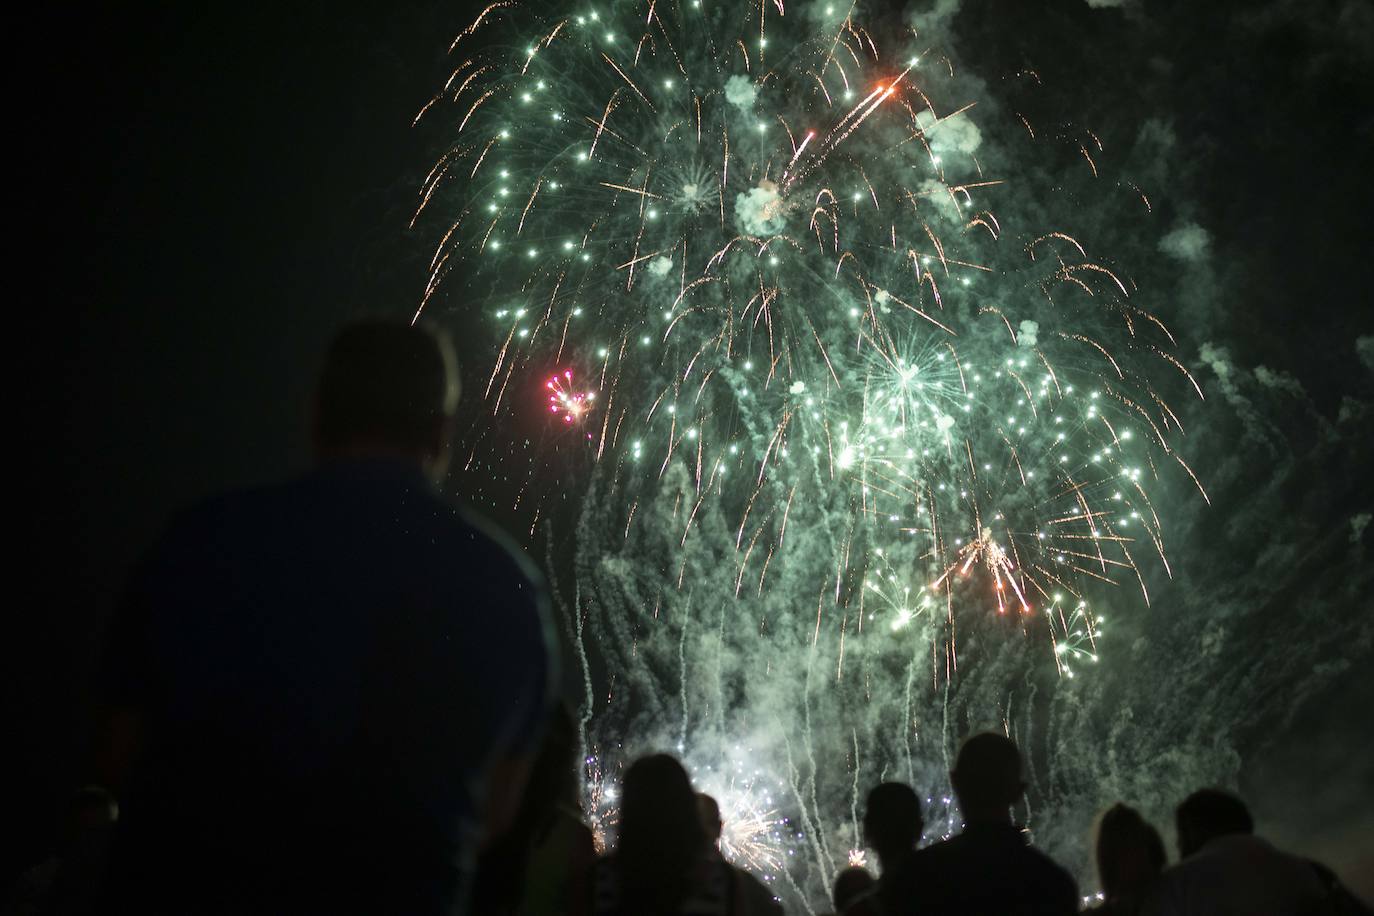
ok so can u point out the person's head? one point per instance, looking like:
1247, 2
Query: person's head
850, 885
660, 836
709, 811
1130, 854
390, 389
892, 819
987, 777
1208, 814
656, 798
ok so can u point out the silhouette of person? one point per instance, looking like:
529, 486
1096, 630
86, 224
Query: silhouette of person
532, 867
661, 864
1130, 856
750, 895
989, 868
892, 827
851, 885
323, 693
1224, 868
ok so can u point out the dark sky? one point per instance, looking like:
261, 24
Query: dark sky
212, 188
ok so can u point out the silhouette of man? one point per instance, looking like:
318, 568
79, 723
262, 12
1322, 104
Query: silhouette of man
892, 827
989, 868
324, 692
1226, 869
750, 895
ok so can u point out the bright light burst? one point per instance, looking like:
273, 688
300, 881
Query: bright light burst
711, 227
771, 243
754, 833
566, 401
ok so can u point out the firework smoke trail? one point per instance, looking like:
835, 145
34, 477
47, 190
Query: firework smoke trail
810, 353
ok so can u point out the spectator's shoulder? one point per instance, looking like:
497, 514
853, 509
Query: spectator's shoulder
492, 545
192, 530
938, 852
230, 507
1055, 877
493, 563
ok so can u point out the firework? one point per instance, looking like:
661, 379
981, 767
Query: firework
1075, 633
838, 373
754, 833
566, 401
761, 234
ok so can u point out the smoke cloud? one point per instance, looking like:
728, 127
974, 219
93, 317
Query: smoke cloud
759, 211
956, 133
1189, 242
741, 92
1364, 348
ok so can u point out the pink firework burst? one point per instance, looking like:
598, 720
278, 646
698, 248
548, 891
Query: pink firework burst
566, 400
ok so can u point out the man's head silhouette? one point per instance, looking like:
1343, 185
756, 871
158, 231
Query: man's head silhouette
987, 778
1208, 814
388, 389
892, 820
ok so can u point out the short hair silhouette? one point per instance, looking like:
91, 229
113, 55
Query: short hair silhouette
987, 772
660, 836
1208, 814
1129, 850
850, 884
389, 383
892, 817
709, 810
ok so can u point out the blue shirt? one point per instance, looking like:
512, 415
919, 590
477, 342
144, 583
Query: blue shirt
327, 671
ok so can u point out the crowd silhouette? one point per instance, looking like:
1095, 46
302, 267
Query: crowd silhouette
335, 695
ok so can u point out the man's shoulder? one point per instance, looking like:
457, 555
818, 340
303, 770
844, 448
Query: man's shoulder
966, 857
1041, 860
329, 506
201, 529
249, 505
1051, 873
953, 847
477, 529
1243, 859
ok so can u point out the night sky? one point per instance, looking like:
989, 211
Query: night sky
216, 187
